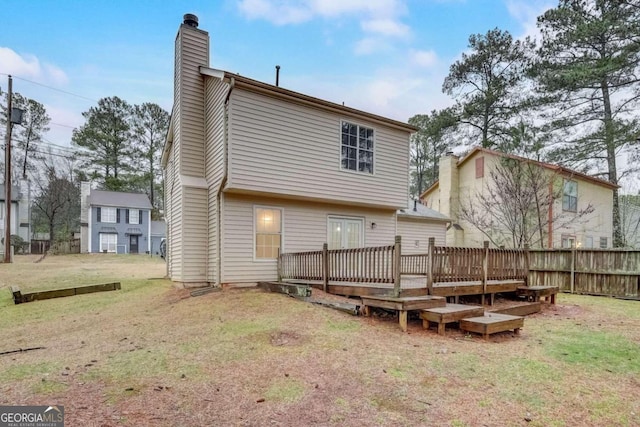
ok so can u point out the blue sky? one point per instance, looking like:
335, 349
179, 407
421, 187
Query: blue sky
388, 57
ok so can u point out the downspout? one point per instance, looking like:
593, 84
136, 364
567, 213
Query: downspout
225, 169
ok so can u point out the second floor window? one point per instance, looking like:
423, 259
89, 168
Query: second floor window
134, 216
570, 196
107, 215
356, 148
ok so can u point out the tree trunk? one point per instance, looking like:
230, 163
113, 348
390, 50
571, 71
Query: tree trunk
611, 162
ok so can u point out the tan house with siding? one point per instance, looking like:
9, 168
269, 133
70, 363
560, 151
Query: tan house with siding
577, 208
252, 169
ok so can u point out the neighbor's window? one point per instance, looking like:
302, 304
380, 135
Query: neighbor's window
603, 243
268, 232
568, 241
588, 243
134, 216
357, 148
108, 242
570, 196
479, 167
108, 215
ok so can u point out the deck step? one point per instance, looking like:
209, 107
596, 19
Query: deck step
448, 314
492, 323
523, 309
402, 305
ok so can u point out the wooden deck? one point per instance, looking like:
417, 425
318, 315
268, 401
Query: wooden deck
413, 286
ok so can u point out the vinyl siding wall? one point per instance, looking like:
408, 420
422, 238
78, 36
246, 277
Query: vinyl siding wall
416, 233
294, 150
304, 229
187, 192
597, 224
216, 92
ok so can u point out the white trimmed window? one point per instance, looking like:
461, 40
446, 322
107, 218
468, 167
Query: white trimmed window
356, 148
108, 215
134, 216
603, 243
108, 242
570, 196
268, 230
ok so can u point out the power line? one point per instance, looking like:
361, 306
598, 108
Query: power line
50, 87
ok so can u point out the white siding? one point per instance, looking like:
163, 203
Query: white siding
214, 166
304, 229
281, 147
187, 202
416, 233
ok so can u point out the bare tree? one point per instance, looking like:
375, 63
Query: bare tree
516, 207
56, 205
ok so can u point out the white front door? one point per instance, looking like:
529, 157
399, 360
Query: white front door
345, 233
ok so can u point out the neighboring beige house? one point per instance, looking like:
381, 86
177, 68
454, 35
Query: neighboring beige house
463, 182
416, 224
252, 170
20, 212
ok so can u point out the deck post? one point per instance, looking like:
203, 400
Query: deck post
431, 250
279, 266
397, 259
485, 268
325, 267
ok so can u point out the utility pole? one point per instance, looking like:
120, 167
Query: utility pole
7, 176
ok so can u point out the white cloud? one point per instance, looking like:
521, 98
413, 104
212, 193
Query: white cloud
377, 17
386, 27
423, 58
30, 67
369, 45
526, 13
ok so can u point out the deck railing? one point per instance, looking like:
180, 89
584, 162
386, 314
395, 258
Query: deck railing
386, 264
363, 265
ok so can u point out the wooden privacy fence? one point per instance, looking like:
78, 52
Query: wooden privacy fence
363, 265
61, 247
587, 271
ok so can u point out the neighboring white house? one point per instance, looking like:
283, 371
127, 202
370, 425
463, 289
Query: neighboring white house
252, 170
20, 212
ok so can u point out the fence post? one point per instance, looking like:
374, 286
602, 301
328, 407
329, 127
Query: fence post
397, 259
527, 260
325, 267
485, 267
430, 253
573, 268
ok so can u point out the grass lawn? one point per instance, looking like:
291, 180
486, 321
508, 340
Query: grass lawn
150, 355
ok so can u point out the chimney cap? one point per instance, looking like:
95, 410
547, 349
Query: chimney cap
191, 20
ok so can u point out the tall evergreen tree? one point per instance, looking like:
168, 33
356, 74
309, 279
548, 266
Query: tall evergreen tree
589, 70
106, 138
150, 124
428, 144
486, 84
26, 136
